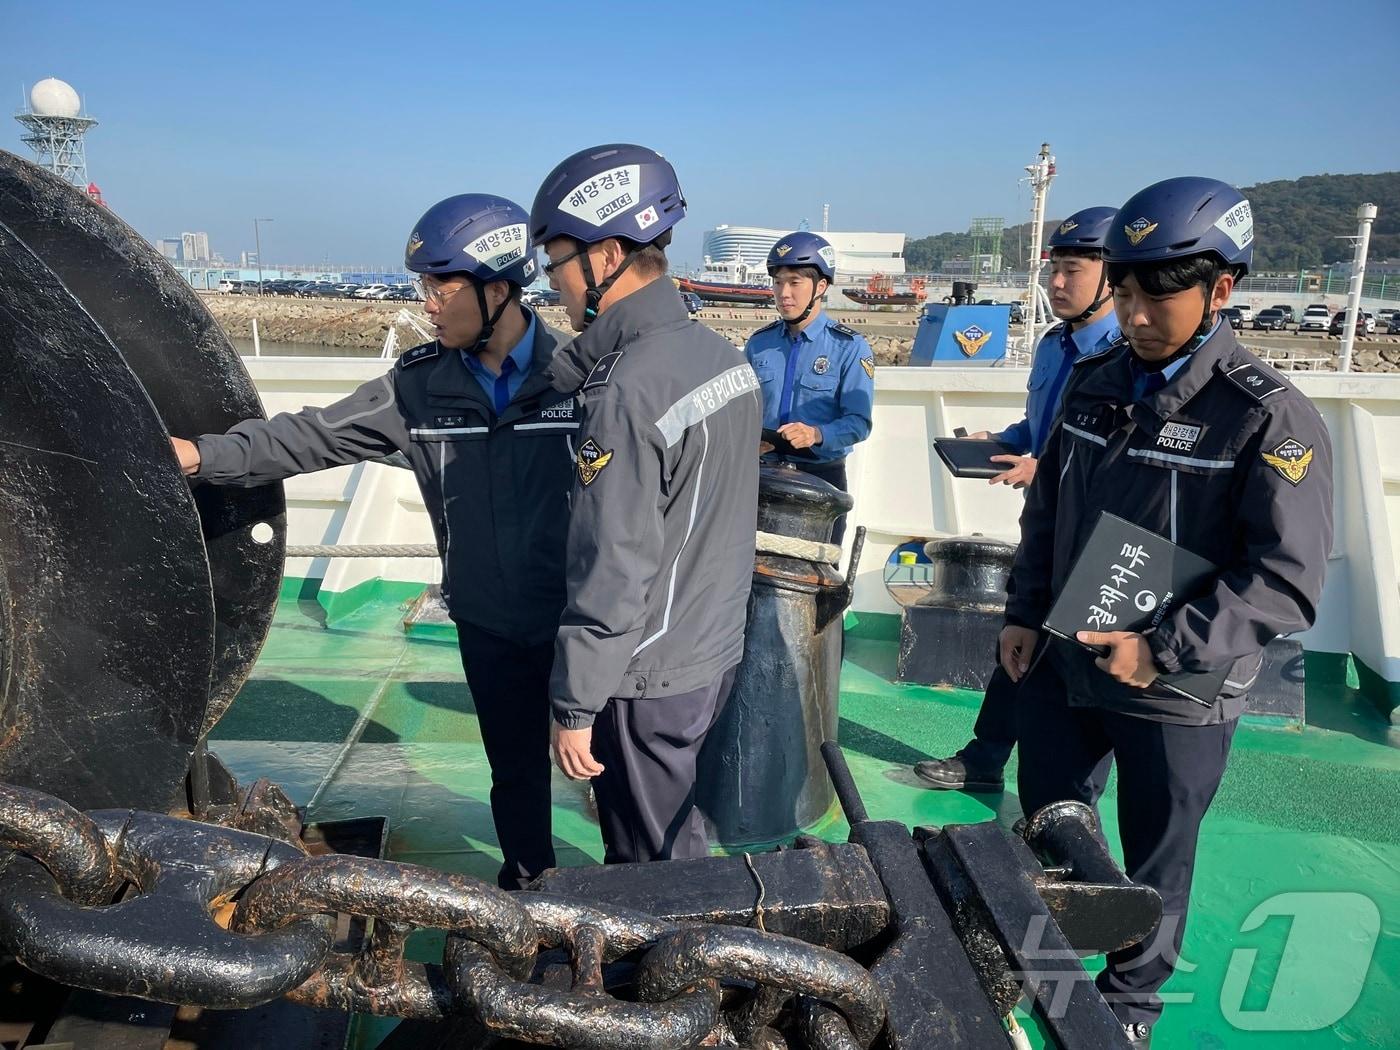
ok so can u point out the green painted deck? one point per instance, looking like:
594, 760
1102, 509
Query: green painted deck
1294, 936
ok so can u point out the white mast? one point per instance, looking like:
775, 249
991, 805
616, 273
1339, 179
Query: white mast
1037, 303
1366, 214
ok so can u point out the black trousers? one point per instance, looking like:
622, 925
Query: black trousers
646, 792
510, 687
1167, 778
833, 474
994, 732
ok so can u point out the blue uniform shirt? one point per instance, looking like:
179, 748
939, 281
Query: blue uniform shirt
1145, 387
824, 377
501, 388
1059, 348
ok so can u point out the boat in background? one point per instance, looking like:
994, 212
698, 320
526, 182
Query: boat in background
730, 281
880, 291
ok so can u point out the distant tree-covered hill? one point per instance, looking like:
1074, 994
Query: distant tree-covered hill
1297, 223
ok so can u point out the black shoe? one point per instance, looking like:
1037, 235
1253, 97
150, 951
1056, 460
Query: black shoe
954, 774
1139, 1035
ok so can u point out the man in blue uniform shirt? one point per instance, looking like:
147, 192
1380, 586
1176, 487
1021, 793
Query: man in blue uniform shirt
1080, 298
817, 376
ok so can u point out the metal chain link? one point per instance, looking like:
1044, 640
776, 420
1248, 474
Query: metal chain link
161, 942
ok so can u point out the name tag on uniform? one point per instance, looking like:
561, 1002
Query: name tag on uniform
1094, 420
1178, 437
562, 412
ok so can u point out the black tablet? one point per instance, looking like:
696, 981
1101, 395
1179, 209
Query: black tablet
972, 457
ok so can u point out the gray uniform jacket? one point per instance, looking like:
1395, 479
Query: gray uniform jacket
496, 489
665, 505
1229, 461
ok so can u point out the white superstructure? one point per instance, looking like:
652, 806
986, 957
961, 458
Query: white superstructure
857, 254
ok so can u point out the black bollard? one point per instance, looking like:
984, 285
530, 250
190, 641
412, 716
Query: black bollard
760, 775
948, 636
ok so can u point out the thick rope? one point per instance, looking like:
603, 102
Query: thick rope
364, 550
792, 547
764, 543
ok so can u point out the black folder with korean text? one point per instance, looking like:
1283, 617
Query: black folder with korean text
972, 457
1128, 578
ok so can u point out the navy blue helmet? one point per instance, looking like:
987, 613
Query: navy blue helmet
1181, 217
804, 249
616, 190
1085, 229
479, 234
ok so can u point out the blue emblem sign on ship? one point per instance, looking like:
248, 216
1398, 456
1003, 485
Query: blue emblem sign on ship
971, 340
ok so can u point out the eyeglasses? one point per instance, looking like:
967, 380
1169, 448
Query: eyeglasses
550, 267
432, 293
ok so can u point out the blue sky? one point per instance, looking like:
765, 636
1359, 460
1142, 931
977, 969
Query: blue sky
342, 122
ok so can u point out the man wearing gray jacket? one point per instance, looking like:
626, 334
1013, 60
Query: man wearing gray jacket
664, 506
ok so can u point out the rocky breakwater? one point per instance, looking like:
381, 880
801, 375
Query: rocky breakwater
349, 323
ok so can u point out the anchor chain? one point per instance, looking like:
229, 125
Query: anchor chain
188, 913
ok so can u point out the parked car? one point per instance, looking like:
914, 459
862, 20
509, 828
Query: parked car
1384, 314
1232, 316
1018, 313
403, 293
1270, 320
1394, 327
692, 302
229, 286
1288, 315
370, 291
540, 297
1246, 312
1365, 326
1315, 319
347, 290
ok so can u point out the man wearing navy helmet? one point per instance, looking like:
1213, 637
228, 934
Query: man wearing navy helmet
665, 503
489, 440
1079, 297
1181, 430
818, 376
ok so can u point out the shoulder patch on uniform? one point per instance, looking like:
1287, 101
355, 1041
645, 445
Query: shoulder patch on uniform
868, 363
1291, 459
845, 329
591, 461
602, 371
1255, 382
426, 352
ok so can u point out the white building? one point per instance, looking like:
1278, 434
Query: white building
195, 247
857, 254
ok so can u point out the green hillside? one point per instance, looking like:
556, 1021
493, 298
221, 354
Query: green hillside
1297, 223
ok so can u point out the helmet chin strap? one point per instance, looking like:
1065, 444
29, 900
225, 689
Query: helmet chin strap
593, 296
1197, 338
488, 321
797, 321
1101, 296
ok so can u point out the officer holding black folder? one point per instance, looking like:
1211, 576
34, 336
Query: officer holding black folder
1182, 431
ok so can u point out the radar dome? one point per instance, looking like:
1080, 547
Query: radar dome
54, 98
